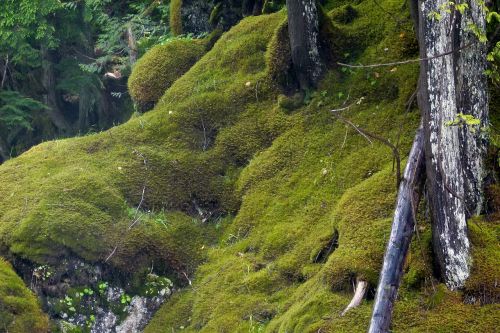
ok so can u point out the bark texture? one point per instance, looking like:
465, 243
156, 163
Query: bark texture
132, 45
303, 29
450, 85
401, 234
50, 97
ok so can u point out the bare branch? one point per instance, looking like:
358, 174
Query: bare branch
367, 135
409, 61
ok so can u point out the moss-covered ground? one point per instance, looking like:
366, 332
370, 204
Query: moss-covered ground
19, 308
272, 211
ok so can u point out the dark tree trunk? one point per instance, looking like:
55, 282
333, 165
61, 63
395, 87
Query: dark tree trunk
401, 234
4, 151
450, 85
303, 29
50, 97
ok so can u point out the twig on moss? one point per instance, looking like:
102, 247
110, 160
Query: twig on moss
348, 122
187, 278
111, 254
358, 102
137, 218
409, 61
345, 139
367, 135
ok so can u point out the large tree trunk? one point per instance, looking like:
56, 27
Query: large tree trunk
450, 85
401, 234
50, 96
303, 28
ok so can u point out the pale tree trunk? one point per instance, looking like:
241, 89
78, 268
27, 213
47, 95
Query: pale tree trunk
132, 45
303, 29
399, 242
449, 85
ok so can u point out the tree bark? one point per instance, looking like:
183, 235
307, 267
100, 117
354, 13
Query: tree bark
303, 29
132, 45
402, 230
4, 151
450, 85
50, 97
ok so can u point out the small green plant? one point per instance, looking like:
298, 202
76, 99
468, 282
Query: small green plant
43, 272
465, 120
125, 299
102, 287
157, 285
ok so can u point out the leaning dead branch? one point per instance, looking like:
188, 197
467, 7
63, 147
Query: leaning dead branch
403, 226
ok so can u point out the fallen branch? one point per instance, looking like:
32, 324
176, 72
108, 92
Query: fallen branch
403, 226
359, 294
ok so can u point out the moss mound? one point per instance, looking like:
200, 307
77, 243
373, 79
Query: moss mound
19, 308
157, 70
272, 214
81, 198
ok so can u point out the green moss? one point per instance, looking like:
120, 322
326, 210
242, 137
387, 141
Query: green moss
273, 189
158, 69
72, 197
279, 57
19, 308
176, 17
482, 286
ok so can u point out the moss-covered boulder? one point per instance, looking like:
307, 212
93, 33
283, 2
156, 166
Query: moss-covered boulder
158, 69
19, 308
271, 215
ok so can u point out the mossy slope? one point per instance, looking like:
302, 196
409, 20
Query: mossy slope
19, 308
299, 184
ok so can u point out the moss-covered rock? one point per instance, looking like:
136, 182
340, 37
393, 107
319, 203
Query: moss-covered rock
19, 308
158, 69
270, 214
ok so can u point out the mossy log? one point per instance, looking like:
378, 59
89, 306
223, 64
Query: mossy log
399, 241
451, 86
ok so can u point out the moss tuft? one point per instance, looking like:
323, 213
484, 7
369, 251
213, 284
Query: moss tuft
158, 69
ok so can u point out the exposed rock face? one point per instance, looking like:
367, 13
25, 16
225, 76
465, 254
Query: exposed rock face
451, 85
196, 15
78, 294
